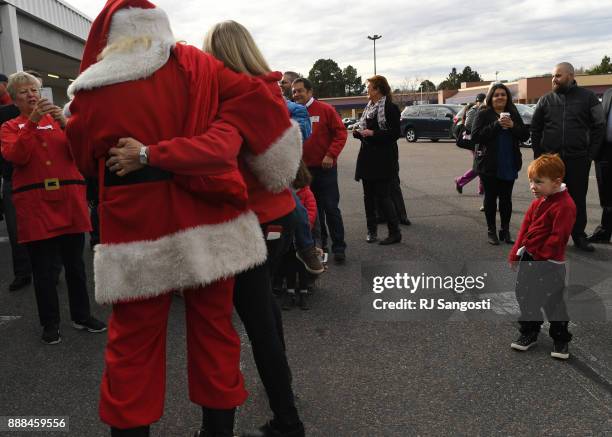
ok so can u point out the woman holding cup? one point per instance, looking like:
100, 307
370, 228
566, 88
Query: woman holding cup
498, 132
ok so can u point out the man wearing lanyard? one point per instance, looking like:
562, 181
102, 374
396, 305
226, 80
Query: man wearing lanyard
321, 152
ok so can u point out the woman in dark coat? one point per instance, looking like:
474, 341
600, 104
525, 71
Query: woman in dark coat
497, 132
377, 163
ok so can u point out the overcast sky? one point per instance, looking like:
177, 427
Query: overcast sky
421, 39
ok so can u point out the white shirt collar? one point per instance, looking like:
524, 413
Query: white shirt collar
308, 103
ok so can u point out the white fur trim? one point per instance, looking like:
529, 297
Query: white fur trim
276, 167
190, 258
66, 110
138, 64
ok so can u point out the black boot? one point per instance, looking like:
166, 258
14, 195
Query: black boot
504, 235
583, 244
391, 239
492, 234
600, 235
141, 431
217, 423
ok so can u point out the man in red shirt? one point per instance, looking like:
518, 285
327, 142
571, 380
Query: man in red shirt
321, 151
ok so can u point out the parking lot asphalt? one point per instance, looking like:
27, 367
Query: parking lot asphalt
354, 376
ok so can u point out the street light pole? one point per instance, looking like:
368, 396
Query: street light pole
374, 38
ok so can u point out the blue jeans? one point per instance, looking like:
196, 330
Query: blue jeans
325, 189
303, 235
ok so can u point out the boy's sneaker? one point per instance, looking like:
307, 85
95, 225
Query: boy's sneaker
524, 342
90, 324
288, 301
304, 299
560, 350
310, 259
51, 334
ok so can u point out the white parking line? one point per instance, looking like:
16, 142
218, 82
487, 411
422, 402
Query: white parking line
6, 319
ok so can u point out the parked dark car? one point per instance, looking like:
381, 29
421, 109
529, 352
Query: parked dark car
526, 113
433, 121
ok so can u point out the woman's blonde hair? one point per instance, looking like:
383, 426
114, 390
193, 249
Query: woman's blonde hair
125, 45
15, 80
231, 43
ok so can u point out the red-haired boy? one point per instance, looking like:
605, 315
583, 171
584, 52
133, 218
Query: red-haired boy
539, 251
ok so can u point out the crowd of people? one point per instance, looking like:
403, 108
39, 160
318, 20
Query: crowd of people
238, 165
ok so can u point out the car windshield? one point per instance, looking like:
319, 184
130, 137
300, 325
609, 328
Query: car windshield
524, 109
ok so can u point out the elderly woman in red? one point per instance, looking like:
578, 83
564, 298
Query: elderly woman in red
49, 197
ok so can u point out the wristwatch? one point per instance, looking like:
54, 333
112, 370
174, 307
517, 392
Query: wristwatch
144, 155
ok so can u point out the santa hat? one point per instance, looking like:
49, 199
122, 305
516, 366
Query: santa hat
111, 24
124, 19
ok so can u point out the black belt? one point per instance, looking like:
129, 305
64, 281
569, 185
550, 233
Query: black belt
49, 185
144, 175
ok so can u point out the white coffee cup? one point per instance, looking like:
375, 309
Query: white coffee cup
504, 115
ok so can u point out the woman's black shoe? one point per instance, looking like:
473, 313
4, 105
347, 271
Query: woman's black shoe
493, 238
20, 282
371, 238
600, 235
504, 235
391, 239
405, 222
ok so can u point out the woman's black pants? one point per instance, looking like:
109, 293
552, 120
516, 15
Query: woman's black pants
378, 192
494, 189
43, 256
262, 321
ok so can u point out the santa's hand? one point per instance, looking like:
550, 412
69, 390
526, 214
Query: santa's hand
125, 158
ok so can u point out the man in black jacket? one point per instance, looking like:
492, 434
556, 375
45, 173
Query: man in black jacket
570, 121
21, 261
603, 170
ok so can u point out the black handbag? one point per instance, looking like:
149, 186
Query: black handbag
464, 141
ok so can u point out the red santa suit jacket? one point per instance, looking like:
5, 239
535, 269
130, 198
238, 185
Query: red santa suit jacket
328, 134
182, 221
546, 227
267, 204
49, 191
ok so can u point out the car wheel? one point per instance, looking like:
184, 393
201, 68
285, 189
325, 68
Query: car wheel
411, 136
434, 140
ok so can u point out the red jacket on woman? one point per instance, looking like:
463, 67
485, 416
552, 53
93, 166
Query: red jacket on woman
48, 190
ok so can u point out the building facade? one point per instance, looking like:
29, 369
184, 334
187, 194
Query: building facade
43, 35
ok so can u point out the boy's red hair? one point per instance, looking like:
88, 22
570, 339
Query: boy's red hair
547, 166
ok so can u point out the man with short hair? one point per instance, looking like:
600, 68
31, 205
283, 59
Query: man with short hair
321, 151
5, 99
286, 82
569, 121
603, 170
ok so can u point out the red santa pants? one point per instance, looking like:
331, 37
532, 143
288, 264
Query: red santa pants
134, 379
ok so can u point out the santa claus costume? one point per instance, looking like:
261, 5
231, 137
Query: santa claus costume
181, 222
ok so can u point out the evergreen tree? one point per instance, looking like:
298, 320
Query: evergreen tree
327, 79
